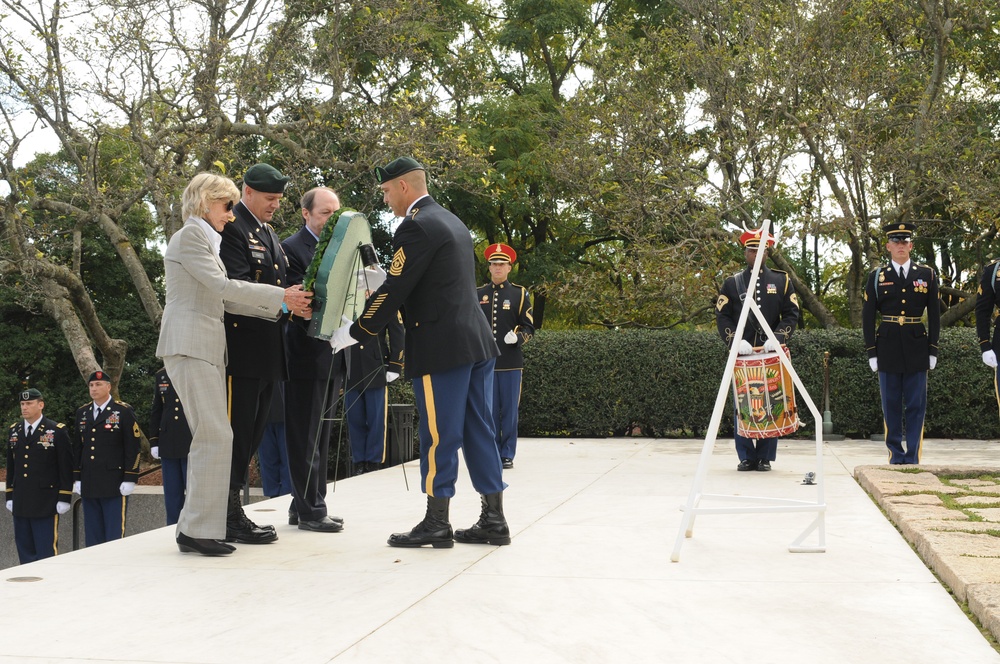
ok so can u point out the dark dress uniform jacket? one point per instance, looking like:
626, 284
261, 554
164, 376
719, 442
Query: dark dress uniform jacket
168, 428
986, 299
508, 307
432, 281
308, 358
106, 451
252, 252
368, 360
39, 468
902, 348
776, 298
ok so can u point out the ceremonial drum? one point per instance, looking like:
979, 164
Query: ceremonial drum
335, 290
764, 397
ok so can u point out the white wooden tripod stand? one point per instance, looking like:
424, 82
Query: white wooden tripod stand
754, 504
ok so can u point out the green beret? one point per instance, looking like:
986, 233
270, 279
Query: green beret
29, 394
397, 167
265, 178
903, 230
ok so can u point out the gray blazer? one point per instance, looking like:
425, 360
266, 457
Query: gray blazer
199, 292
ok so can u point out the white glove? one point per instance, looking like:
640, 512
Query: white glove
342, 338
370, 278
127, 488
76, 488
933, 361
154, 452
771, 347
10, 506
391, 376
62, 507
745, 348
873, 363
990, 359
510, 338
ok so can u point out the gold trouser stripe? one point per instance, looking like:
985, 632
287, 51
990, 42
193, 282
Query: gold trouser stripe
229, 398
385, 421
996, 389
920, 445
55, 536
124, 505
885, 437
520, 384
435, 437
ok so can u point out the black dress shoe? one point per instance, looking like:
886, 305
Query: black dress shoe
321, 525
245, 532
507, 463
764, 466
206, 547
293, 518
746, 464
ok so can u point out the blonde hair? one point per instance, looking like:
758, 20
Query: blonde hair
205, 188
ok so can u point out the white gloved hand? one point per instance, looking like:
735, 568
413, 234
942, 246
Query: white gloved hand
62, 507
933, 361
873, 363
127, 488
745, 348
342, 338
370, 278
391, 376
76, 488
154, 451
10, 506
771, 347
990, 359
510, 338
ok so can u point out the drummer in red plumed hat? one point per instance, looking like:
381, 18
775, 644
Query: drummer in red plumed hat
507, 307
775, 296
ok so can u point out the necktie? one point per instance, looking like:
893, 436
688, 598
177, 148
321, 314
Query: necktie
97, 411
902, 275
31, 429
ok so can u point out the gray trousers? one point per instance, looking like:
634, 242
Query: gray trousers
201, 387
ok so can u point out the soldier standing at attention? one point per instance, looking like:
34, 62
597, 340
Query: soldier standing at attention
901, 349
987, 299
776, 298
105, 461
170, 442
39, 478
508, 309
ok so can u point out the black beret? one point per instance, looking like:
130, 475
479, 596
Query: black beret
29, 394
397, 167
900, 229
265, 178
99, 375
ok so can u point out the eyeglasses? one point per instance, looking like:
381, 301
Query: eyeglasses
229, 206
899, 240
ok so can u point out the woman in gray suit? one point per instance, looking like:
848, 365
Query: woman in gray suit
193, 347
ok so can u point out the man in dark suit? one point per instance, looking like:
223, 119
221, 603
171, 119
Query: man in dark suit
105, 460
170, 442
371, 366
507, 307
776, 298
902, 350
39, 478
252, 252
450, 354
314, 380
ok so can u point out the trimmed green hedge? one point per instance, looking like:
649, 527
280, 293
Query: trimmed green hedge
608, 382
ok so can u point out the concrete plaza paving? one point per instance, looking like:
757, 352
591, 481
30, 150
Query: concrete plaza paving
588, 576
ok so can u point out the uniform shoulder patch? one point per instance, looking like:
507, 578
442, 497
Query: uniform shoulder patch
60, 425
721, 302
398, 261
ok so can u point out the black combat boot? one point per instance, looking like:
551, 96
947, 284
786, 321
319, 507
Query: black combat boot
491, 527
434, 529
239, 527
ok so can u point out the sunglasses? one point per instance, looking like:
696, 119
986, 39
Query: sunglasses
229, 206
899, 240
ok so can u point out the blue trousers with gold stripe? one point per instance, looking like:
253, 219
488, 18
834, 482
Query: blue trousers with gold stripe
903, 393
366, 413
456, 412
506, 399
103, 519
36, 538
